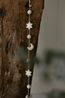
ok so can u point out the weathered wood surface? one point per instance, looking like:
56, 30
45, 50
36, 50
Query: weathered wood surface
13, 37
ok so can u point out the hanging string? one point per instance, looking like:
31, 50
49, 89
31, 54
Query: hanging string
30, 47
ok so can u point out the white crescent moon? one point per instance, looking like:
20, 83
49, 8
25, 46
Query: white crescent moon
31, 47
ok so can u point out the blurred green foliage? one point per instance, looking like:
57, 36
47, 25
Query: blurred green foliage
56, 94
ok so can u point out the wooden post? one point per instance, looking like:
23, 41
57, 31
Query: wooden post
13, 41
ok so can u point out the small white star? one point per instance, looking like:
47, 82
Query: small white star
28, 73
29, 25
28, 86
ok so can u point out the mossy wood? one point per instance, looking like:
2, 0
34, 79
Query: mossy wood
13, 40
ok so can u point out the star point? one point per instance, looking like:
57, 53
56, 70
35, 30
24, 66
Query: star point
28, 73
29, 25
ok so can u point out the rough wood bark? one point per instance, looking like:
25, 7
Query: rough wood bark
12, 39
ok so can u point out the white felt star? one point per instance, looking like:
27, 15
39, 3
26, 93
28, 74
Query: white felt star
28, 73
29, 25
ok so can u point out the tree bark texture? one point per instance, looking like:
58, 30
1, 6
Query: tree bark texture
13, 38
